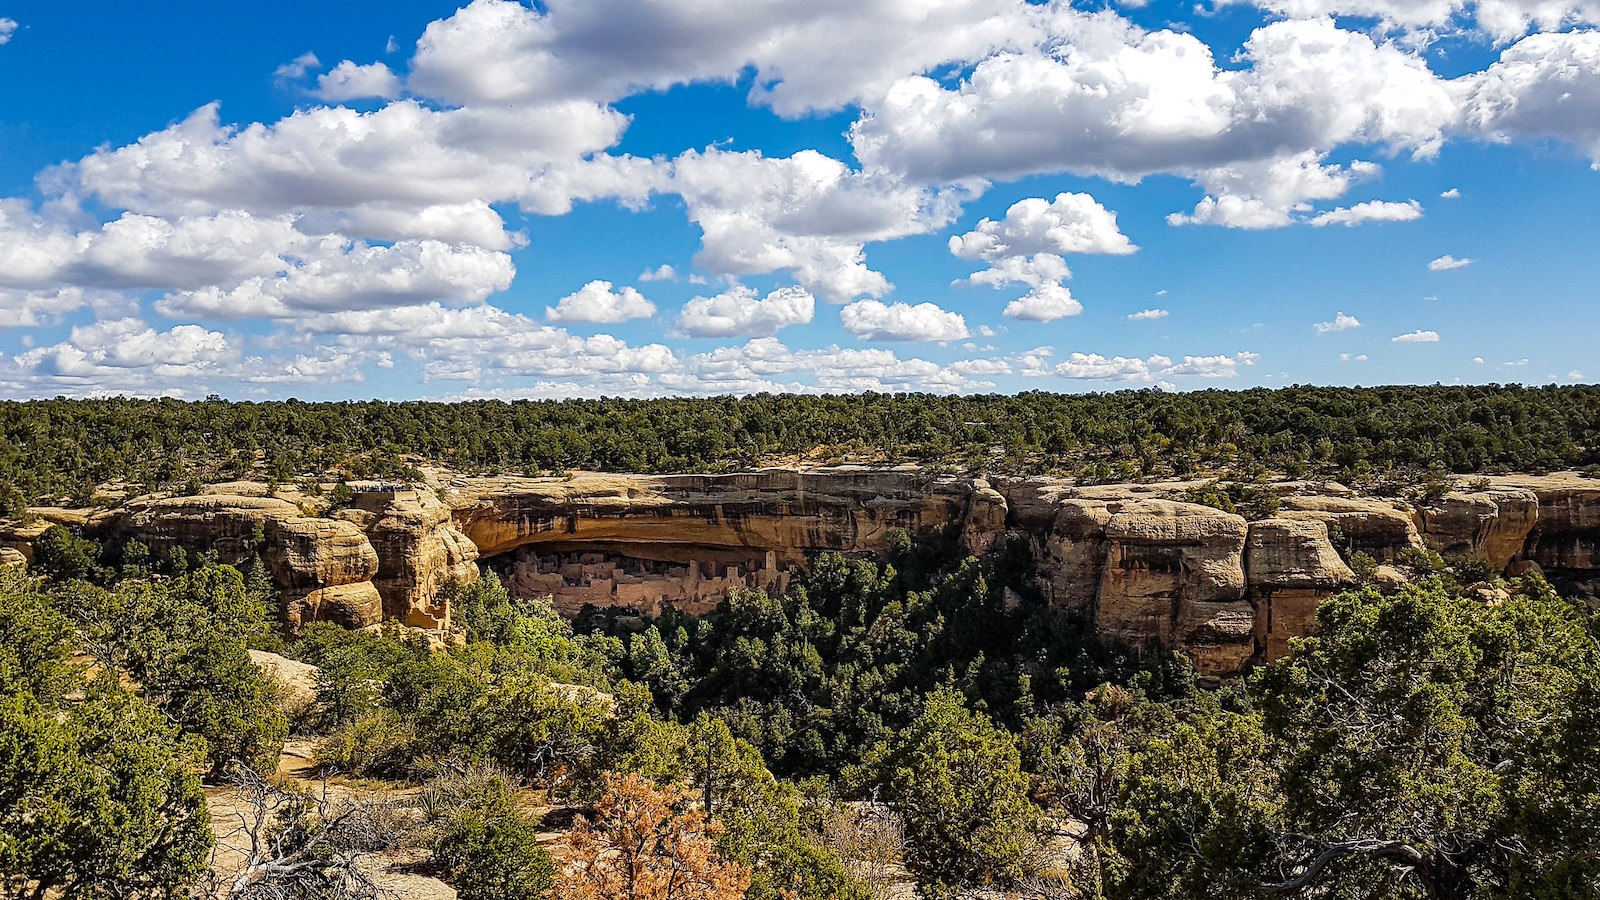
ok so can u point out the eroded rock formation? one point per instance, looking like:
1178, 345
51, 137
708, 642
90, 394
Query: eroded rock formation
1292, 567
788, 512
1492, 524
1146, 566
1174, 573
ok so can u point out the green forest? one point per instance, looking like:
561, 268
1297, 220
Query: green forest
60, 450
920, 719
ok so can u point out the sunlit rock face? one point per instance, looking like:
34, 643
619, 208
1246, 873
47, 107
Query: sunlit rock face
1566, 536
786, 511
648, 542
1291, 567
1145, 566
1174, 575
1377, 527
324, 568
1491, 524
420, 551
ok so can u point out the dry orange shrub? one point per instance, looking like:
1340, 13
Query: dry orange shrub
646, 843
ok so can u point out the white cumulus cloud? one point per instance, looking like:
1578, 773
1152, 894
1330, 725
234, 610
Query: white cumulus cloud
1093, 366
1370, 211
1271, 193
297, 67
1071, 223
344, 275
349, 81
1545, 85
1025, 247
113, 349
1416, 337
1147, 315
598, 302
806, 56
875, 321
29, 309
1112, 100
1420, 22
8, 27
1447, 262
738, 312
1340, 323
808, 214
1045, 303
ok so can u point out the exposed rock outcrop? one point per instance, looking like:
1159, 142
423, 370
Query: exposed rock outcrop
1376, 527
1291, 567
324, 568
1492, 525
420, 550
1148, 567
985, 518
1174, 574
18, 537
789, 512
1566, 538
297, 681
1066, 535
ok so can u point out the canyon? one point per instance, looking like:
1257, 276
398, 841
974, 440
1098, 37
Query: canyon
1148, 567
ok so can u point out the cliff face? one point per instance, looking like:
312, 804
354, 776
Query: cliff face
787, 512
1174, 574
420, 550
686, 540
1146, 566
1292, 566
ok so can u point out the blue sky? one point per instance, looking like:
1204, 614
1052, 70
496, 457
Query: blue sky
648, 197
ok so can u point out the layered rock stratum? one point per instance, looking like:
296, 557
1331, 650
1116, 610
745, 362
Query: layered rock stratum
1146, 566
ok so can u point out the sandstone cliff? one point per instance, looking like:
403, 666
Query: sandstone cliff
786, 511
419, 551
1292, 566
1147, 566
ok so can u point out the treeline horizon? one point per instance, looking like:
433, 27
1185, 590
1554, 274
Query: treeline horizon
64, 448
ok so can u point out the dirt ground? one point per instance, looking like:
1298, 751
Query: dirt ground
390, 870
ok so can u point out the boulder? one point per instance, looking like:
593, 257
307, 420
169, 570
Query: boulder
297, 680
357, 605
1389, 578
1490, 594
1521, 567
10, 556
